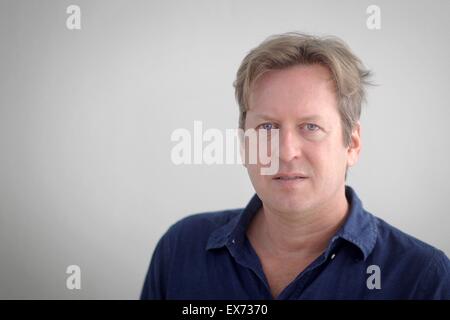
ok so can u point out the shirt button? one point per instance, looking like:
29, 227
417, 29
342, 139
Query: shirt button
233, 241
332, 256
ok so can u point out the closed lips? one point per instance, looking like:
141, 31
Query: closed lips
289, 177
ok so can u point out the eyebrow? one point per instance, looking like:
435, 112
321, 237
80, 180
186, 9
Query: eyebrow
313, 117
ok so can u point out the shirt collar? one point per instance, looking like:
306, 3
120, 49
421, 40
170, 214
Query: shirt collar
359, 228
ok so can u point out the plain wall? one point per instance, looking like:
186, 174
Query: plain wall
86, 117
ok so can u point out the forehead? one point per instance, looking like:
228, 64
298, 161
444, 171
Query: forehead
303, 90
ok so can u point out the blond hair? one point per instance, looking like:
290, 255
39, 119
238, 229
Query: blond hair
293, 48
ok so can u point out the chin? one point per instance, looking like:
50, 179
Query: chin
290, 203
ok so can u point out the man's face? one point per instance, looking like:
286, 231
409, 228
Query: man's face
301, 102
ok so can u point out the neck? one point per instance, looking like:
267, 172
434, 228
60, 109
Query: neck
299, 233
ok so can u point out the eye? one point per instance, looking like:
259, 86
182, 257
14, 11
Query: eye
311, 127
266, 126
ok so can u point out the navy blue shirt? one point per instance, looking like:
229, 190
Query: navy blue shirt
208, 256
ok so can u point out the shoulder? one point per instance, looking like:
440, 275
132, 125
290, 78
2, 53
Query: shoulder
204, 221
420, 263
199, 226
399, 242
181, 251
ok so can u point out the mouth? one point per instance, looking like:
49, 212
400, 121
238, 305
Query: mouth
289, 176
289, 181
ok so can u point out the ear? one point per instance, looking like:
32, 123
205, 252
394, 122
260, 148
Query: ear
354, 148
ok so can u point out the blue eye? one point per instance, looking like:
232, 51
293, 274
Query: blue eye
267, 126
311, 127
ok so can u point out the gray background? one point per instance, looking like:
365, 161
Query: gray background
86, 118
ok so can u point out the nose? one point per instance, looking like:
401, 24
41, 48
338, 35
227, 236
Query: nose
289, 145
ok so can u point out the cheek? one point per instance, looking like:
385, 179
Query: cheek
339, 163
259, 182
326, 160
254, 173
253, 170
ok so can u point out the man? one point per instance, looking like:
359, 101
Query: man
304, 234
